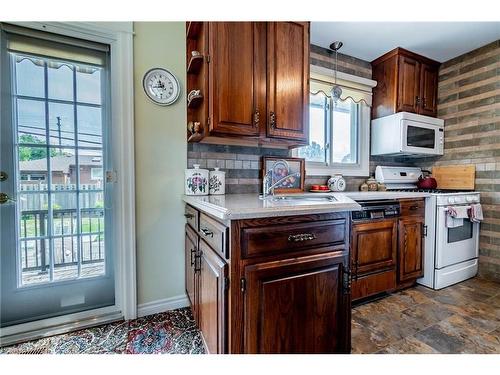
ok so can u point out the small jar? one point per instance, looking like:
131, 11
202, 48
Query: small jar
382, 187
217, 182
363, 187
196, 181
372, 184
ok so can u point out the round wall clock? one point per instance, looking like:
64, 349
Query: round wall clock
161, 86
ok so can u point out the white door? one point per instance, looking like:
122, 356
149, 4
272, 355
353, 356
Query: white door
56, 256
455, 245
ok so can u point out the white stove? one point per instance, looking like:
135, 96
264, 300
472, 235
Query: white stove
450, 254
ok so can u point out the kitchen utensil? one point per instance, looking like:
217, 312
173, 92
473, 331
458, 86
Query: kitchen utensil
425, 181
455, 177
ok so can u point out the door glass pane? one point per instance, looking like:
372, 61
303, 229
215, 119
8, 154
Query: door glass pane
62, 124
63, 169
65, 257
33, 243
30, 80
60, 81
31, 121
420, 137
88, 85
91, 169
92, 219
33, 175
89, 126
64, 220
460, 233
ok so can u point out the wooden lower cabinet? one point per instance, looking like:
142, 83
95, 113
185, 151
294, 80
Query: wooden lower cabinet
374, 249
288, 296
212, 299
411, 257
296, 306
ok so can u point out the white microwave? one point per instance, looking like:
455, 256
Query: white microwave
405, 133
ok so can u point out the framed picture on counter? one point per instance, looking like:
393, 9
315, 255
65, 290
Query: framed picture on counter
289, 171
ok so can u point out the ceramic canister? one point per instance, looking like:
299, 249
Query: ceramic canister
336, 183
217, 182
196, 180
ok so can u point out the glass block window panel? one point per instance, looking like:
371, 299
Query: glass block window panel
31, 122
60, 81
30, 80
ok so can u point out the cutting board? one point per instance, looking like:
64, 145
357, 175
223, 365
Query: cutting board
455, 177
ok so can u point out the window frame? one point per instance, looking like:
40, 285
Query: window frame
363, 117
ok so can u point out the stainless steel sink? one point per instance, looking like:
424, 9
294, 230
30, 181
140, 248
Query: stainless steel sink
305, 198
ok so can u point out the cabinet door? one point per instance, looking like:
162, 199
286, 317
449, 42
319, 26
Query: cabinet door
411, 251
428, 90
237, 77
212, 299
191, 277
288, 80
374, 246
297, 306
408, 85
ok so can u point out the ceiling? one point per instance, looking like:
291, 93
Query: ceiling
439, 41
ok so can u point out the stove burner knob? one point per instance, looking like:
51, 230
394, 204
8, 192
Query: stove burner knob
451, 200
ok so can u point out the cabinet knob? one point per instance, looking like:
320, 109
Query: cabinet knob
417, 100
272, 120
256, 118
188, 216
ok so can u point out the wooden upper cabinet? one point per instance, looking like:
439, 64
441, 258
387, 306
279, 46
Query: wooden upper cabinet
296, 306
236, 77
288, 80
428, 90
408, 85
406, 82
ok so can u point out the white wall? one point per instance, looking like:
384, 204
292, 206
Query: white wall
160, 157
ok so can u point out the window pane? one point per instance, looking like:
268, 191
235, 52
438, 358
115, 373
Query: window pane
31, 121
33, 214
89, 126
64, 213
60, 81
63, 168
33, 175
35, 262
315, 151
65, 257
61, 124
30, 77
344, 133
91, 169
88, 85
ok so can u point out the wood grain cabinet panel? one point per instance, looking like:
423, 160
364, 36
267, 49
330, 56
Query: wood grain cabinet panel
288, 80
428, 90
408, 85
411, 248
237, 69
212, 299
191, 276
296, 306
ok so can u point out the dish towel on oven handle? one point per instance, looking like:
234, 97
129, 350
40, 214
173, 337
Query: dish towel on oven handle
455, 216
476, 213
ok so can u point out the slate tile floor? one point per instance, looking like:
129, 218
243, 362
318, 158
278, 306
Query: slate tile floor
464, 318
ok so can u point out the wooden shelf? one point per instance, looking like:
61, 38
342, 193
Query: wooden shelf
195, 64
195, 101
193, 29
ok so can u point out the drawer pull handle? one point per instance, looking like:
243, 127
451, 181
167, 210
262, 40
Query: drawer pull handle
193, 252
301, 237
414, 208
189, 216
207, 232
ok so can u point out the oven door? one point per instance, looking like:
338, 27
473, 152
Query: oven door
455, 245
420, 138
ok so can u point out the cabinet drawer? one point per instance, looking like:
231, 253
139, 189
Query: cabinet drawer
274, 239
370, 285
192, 216
215, 234
412, 207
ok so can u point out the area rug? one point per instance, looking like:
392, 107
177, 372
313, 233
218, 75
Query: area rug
171, 332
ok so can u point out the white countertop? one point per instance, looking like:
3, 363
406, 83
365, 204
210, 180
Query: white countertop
246, 206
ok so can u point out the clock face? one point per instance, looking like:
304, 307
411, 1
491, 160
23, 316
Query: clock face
161, 86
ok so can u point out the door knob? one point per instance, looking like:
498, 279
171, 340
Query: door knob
3, 176
4, 198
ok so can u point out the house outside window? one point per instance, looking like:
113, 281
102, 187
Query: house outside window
338, 132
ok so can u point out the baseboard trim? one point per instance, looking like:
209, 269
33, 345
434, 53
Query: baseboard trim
162, 305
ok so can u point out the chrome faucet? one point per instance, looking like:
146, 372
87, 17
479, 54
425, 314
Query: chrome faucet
268, 186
